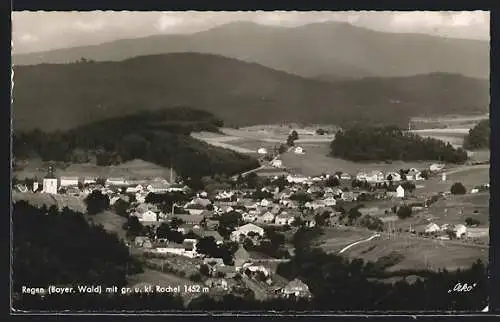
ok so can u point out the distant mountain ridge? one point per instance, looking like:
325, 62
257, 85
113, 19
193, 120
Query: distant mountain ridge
61, 97
312, 50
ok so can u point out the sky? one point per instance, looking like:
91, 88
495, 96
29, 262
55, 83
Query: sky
35, 31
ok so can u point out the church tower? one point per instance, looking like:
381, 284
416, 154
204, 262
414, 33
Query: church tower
50, 182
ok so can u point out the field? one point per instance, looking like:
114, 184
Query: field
455, 209
111, 222
132, 169
333, 239
421, 253
315, 161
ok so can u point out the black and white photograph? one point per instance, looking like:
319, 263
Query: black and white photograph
250, 161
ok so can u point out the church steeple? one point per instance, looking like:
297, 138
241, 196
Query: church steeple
50, 173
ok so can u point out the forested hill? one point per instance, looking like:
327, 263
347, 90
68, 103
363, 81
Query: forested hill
311, 50
61, 97
161, 137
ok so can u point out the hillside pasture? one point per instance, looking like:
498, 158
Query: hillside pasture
420, 253
134, 169
334, 239
316, 160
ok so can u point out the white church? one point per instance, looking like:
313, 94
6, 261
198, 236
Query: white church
50, 182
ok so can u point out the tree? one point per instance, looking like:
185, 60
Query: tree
121, 207
176, 222
353, 214
204, 270
163, 230
96, 202
294, 135
332, 181
290, 141
208, 246
133, 226
282, 149
404, 212
469, 221
320, 132
458, 189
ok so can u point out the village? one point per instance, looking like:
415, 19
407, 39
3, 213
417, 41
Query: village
232, 239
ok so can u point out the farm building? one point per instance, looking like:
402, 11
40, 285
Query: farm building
296, 288
50, 183
69, 181
262, 151
277, 163
432, 228
245, 230
400, 192
298, 150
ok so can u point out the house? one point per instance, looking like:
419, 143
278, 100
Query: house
225, 270
190, 219
436, 167
213, 233
68, 181
249, 217
134, 189
361, 176
265, 203
157, 187
245, 230
348, 196
266, 218
329, 202
296, 179
315, 204
262, 151
298, 150
89, 180
345, 176
200, 201
432, 228
414, 174
400, 192
147, 216
460, 231
115, 182
277, 163
393, 176
212, 261
256, 268
241, 256
176, 188
284, 219
375, 176
296, 288
217, 283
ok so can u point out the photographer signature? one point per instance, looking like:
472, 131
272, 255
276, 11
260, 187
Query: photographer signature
462, 288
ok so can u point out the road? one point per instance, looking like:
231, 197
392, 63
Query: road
467, 168
358, 242
442, 131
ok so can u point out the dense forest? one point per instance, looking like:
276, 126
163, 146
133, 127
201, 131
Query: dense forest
479, 136
161, 137
62, 248
389, 143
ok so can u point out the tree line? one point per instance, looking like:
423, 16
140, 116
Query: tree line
479, 136
161, 137
390, 143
